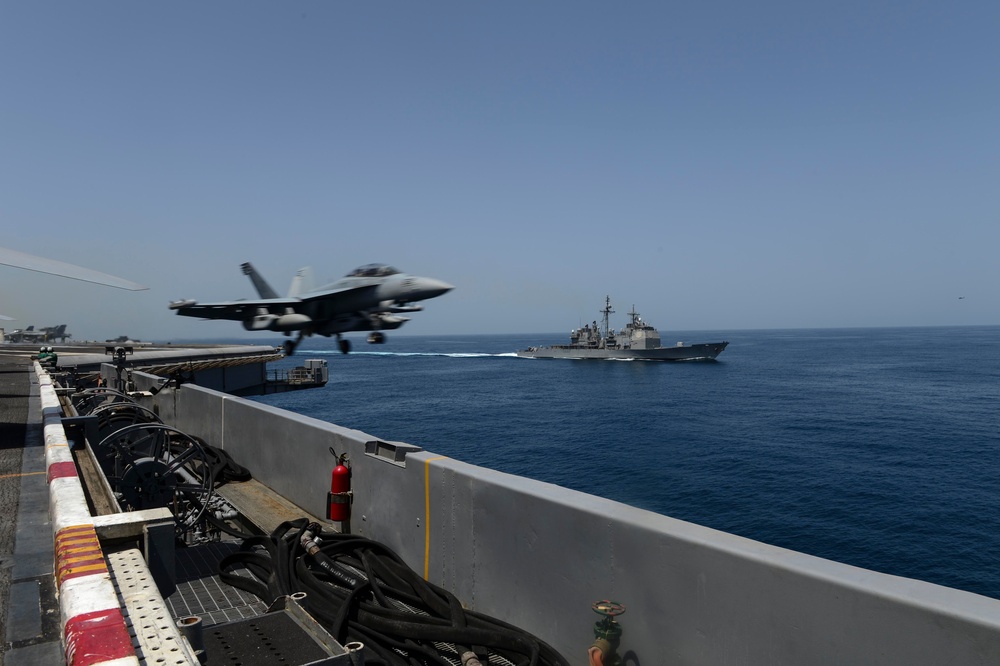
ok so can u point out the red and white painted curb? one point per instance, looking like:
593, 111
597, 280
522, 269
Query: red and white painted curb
94, 629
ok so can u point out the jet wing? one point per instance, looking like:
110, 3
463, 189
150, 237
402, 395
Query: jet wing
234, 310
344, 301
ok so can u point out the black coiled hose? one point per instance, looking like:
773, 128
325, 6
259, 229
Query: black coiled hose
353, 608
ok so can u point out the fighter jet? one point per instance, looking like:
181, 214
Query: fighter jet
25, 335
47, 334
56, 333
369, 298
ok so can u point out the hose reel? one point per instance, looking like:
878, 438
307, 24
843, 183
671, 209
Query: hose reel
88, 400
112, 417
152, 465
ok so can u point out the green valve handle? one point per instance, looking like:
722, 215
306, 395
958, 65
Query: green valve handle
607, 628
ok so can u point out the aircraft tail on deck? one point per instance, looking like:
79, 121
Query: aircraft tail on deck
260, 284
302, 282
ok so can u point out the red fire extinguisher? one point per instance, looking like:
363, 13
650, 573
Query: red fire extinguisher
338, 500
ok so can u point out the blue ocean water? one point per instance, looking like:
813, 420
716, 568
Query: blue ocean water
874, 447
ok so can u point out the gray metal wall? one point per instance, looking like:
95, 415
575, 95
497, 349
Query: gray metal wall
232, 378
538, 556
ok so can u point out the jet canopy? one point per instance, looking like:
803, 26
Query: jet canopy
373, 270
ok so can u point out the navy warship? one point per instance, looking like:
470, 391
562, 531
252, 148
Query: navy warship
638, 340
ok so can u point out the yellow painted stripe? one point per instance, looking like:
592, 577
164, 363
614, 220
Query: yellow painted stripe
68, 573
82, 528
82, 551
83, 564
14, 476
427, 514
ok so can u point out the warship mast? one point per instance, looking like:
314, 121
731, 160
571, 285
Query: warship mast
606, 311
607, 338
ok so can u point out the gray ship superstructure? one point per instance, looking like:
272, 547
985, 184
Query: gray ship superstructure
638, 340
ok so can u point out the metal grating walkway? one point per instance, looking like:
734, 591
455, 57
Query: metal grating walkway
200, 592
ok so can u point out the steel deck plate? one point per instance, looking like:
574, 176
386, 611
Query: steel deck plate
200, 591
268, 639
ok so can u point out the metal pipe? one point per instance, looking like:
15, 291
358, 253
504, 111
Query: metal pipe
191, 630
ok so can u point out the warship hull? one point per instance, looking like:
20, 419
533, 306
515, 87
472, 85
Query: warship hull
699, 352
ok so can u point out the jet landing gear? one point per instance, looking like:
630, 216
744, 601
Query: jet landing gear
290, 345
344, 345
376, 338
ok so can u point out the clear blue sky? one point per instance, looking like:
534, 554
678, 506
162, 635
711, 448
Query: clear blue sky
721, 165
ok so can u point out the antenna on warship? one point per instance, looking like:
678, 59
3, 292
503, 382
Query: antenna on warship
607, 311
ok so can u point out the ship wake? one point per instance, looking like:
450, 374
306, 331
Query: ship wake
427, 354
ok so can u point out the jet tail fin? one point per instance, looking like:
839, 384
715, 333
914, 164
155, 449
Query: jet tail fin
260, 284
302, 282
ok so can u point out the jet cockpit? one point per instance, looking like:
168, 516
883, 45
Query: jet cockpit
373, 270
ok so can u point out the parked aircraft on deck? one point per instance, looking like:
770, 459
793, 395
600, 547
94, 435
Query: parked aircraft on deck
369, 298
46, 334
25, 335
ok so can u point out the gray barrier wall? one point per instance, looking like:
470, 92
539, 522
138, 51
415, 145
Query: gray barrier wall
233, 379
538, 556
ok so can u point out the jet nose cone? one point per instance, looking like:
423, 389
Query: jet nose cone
431, 287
